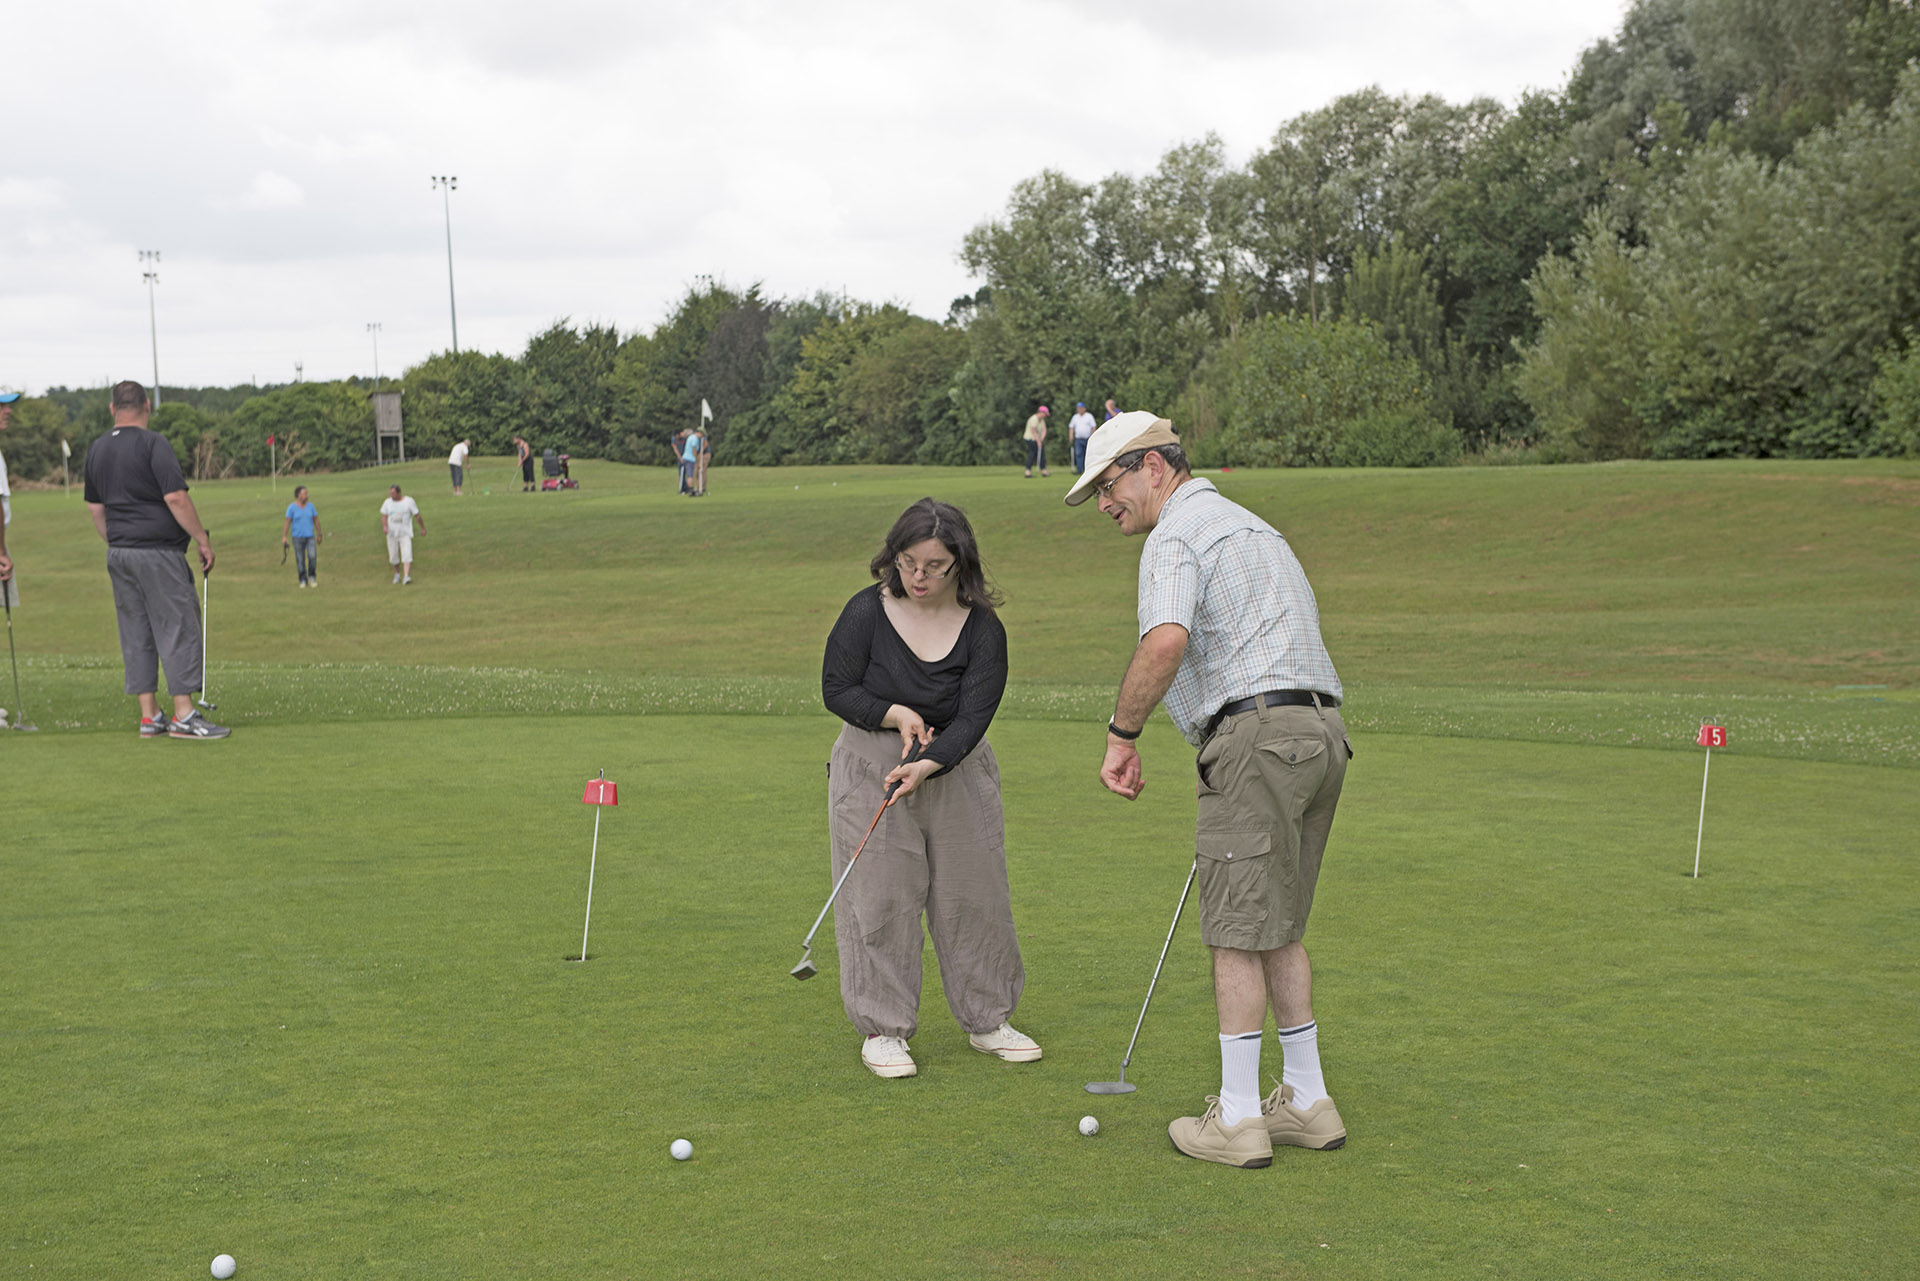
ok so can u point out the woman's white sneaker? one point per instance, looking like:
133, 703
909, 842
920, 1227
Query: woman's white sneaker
887, 1056
1005, 1043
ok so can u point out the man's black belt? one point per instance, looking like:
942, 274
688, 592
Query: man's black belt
1273, 698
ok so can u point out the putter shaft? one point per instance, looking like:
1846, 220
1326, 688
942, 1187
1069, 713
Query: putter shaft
806, 970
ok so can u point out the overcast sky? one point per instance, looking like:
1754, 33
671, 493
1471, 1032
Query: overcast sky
278, 154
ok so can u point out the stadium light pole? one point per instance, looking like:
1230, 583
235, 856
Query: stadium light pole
373, 327
446, 185
152, 277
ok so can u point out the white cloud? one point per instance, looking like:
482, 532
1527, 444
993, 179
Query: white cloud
279, 151
273, 191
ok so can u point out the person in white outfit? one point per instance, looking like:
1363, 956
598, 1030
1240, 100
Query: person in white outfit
399, 516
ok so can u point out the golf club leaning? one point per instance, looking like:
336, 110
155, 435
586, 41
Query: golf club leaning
202, 700
24, 725
806, 969
1124, 1086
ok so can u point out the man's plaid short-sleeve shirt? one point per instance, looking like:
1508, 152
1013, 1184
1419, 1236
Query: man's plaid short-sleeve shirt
1232, 581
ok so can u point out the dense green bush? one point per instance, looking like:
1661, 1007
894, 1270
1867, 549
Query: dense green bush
1332, 394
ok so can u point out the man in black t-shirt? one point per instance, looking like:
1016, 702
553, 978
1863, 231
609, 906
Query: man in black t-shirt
138, 500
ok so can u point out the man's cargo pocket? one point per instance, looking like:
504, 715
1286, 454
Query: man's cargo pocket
1235, 890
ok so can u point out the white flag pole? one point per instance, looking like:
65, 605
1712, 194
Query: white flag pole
592, 862
1701, 830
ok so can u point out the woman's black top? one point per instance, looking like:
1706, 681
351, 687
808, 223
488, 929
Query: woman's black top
869, 668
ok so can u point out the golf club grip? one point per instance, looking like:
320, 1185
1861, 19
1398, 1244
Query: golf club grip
894, 786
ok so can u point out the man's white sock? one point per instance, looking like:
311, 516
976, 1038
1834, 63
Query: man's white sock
1300, 1064
1239, 1077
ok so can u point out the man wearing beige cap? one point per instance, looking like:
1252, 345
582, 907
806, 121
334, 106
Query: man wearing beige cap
1230, 641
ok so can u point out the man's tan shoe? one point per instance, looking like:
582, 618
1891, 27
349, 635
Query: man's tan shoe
1245, 1145
1317, 1127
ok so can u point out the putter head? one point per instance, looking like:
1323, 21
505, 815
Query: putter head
1110, 1087
805, 970
201, 702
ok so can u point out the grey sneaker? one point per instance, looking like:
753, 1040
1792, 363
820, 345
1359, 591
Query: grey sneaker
1245, 1145
197, 726
155, 728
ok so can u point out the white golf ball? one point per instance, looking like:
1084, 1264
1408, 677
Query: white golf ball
681, 1149
223, 1266
1089, 1126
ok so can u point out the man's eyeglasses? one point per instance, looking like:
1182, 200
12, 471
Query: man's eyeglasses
1103, 492
932, 569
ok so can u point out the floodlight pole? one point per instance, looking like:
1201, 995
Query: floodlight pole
373, 327
152, 277
447, 184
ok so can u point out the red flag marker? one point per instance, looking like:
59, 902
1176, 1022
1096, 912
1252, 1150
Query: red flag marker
1710, 737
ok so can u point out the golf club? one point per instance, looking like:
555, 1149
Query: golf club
806, 969
283, 553
202, 700
24, 725
1124, 1086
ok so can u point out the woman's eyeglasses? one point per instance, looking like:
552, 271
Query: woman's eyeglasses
932, 569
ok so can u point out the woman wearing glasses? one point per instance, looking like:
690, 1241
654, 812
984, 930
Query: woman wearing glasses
916, 667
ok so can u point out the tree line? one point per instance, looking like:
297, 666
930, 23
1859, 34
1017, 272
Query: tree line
1705, 244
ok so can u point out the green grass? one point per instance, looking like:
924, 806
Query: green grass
300, 996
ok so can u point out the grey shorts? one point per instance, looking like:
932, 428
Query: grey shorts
1269, 781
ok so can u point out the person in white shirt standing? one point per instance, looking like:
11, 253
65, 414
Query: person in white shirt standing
6, 506
398, 517
1081, 426
457, 462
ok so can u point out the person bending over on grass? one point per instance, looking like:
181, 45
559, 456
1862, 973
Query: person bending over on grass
302, 530
1230, 640
457, 464
918, 664
398, 516
138, 500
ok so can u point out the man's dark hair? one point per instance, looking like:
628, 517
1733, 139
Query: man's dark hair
1174, 456
129, 395
931, 518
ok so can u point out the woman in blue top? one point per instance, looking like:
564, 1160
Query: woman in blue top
303, 529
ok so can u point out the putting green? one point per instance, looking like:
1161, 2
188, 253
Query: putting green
299, 996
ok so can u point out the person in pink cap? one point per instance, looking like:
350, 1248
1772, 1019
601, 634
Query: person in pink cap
1037, 443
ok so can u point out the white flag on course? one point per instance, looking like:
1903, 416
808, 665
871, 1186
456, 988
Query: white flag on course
65, 450
706, 412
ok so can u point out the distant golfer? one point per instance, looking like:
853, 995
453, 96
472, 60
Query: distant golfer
302, 530
139, 504
1230, 640
524, 452
6, 507
457, 463
1080, 428
690, 462
920, 661
398, 517
1036, 438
